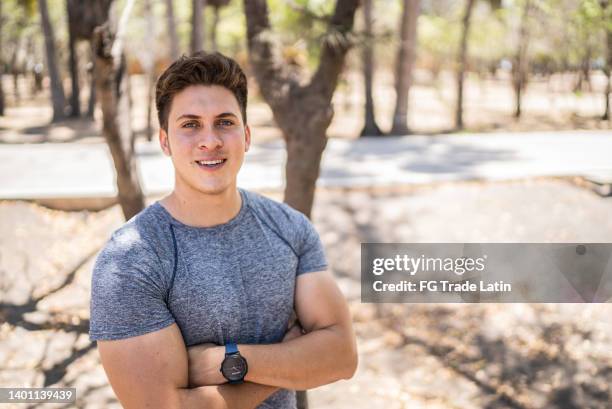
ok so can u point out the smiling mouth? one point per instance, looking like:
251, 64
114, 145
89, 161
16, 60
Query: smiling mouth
210, 164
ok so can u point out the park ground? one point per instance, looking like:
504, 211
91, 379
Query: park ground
417, 356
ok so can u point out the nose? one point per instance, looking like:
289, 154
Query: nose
209, 140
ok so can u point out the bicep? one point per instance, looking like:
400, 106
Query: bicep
147, 371
319, 303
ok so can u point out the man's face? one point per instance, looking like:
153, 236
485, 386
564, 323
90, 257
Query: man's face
206, 139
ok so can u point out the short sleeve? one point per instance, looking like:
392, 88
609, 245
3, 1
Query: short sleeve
127, 291
310, 250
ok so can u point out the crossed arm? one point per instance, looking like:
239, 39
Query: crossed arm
156, 370
150, 371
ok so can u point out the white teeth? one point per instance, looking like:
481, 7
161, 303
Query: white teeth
209, 162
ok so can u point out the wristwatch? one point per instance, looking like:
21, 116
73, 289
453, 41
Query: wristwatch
234, 367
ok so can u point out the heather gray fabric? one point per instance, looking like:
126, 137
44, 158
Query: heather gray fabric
233, 282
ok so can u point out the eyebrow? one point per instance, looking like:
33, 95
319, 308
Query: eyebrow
194, 116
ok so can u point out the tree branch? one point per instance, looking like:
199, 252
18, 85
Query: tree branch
335, 46
273, 76
307, 12
117, 47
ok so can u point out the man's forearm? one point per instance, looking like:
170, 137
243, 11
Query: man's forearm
317, 358
243, 396
327, 352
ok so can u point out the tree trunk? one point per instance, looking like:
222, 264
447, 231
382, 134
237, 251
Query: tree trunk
149, 65
585, 68
16, 92
213, 29
75, 103
1, 92
520, 66
197, 25
1, 66
606, 114
37, 75
608, 63
302, 111
91, 104
406, 56
83, 17
608, 71
371, 127
58, 100
302, 169
461, 60
174, 42
36, 85
150, 96
113, 93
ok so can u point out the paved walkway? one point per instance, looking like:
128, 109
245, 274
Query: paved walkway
82, 170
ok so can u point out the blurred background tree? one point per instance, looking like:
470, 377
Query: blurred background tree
216, 5
58, 101
1, 65
113, 90
301, 106
367, 44
406, 57
197, 25
171, 29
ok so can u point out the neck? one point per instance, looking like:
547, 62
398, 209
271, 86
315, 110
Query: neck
198, 209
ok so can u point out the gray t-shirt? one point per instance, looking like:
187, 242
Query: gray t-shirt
228, 283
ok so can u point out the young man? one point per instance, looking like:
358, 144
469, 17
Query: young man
192, 299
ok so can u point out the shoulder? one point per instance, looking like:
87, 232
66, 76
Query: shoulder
143, 236
280, 213
286, 222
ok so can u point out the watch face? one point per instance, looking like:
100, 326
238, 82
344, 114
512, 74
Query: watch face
234, 367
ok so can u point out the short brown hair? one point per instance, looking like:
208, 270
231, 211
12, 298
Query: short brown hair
200, 68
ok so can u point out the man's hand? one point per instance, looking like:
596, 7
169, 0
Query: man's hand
205, 365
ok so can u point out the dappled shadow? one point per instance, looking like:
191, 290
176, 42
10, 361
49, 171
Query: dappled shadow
536, 357
56, 373
517, 371
47, 324
37, 130
15, 314
65, 131
374, 159
421, 155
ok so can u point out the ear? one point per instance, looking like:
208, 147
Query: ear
164, 142
247, 138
